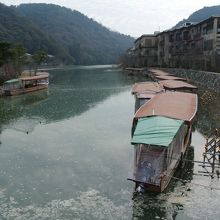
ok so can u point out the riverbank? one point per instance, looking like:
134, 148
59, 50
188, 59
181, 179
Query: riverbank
206, 79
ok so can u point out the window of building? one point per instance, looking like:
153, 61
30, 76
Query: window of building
186, 35
178, 37
209, 28
218, 26
171, 38
208, 45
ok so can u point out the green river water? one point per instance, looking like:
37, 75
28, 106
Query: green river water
65, 153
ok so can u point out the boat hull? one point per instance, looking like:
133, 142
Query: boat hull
166, 175
25, 90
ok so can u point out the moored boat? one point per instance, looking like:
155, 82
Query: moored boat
144, 91
157, 72
161, 133
25, 84
177, 85
170, 78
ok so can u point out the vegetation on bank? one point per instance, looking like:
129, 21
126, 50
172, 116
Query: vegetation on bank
13, 59
68, 35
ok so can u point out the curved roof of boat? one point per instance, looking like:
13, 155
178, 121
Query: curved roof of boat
157, 72
12, 81
176, 84
170, 78
145, 95
146, 87
156, 130
29, 78
178, 105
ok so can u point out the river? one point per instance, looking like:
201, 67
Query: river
65, 153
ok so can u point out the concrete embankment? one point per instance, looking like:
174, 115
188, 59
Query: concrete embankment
210, 80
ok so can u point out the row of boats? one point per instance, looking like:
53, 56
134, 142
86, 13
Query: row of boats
161, 128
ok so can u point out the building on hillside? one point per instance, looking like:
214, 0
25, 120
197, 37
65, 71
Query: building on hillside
145, 50
193, 45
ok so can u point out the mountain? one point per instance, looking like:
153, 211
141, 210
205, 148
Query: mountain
200, 15
67, 34
16, 28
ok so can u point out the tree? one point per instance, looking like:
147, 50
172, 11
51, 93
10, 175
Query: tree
4, 52
39, 57
18, 57
12, 58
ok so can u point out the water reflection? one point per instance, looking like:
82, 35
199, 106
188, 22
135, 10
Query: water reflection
72, 92
68, 164
74, 161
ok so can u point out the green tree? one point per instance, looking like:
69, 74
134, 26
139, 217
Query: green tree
4, 52
7, 70
18, 57
39, 57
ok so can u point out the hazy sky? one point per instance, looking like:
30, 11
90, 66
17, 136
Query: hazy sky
133, 17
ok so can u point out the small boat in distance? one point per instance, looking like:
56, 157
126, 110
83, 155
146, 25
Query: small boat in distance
158, 72
170, 78
25, 84
161, 133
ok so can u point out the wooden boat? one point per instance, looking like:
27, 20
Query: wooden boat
157, 72
169, 78
133, 71
144, 91
177, 85
25, 84
161, 133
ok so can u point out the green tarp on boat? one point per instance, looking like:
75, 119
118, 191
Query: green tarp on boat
156, 130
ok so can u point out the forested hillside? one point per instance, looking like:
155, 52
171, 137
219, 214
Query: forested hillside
201, 14
17, 29
69, 35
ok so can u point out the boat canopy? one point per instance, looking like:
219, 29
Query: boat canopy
170, 78
157, 72
32, 78
177, 105
176, 84
156, 130
12, 84
146, 87
12, 81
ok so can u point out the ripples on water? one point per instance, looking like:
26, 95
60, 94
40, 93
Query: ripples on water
66, 154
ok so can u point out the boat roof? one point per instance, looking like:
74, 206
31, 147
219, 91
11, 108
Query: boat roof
12, 81
144, 87
170, 78
176, 84
145, 95
135, 69
156, 130
178, 105
29, 78
160, 72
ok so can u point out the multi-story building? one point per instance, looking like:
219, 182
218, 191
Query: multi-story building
193, 45
145, 50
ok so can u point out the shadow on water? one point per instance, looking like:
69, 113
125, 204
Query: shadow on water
165, 205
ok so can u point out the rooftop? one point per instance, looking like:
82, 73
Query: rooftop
178, 105
176, 84
144, 87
